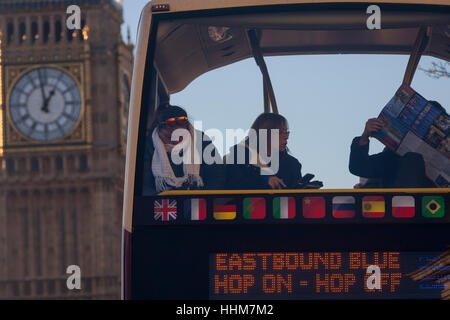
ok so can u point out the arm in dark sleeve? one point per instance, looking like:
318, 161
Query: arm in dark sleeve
244, 176
213, 174
297, 173
363, 165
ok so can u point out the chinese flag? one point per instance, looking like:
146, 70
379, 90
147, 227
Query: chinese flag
314, 207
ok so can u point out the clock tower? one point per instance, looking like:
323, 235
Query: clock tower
63, 122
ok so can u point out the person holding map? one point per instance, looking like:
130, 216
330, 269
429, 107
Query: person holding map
390, 169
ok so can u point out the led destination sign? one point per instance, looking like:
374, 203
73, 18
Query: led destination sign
316, 275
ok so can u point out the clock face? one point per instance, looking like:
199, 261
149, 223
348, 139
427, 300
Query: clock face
45, 104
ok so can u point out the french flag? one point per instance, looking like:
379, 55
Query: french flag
195, 209
343, 207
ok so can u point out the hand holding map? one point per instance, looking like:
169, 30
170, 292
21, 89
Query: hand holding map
414, 124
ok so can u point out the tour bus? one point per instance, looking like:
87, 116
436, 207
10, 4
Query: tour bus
320, 243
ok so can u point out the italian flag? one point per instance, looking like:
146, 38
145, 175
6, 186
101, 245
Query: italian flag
403, 207
284, 208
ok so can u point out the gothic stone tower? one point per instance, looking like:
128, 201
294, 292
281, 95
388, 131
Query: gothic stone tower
63, 109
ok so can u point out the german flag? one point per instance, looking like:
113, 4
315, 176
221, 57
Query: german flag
224, 209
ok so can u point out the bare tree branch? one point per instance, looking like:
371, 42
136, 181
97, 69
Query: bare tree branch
438, 70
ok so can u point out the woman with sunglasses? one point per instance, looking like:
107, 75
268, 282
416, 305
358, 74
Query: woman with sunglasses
161, 172
249, 175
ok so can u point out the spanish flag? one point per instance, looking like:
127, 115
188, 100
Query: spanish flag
373, 207
224, 211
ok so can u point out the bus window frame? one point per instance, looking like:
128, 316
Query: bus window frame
151, 72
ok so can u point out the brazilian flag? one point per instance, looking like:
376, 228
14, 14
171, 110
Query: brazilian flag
433, 207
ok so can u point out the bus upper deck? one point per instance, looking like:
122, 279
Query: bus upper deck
274, 244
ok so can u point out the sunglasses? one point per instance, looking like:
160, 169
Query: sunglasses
172, 122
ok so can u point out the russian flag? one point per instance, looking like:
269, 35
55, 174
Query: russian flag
403, 206
343, 207
195, 209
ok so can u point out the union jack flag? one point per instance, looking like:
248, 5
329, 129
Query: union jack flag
165, 210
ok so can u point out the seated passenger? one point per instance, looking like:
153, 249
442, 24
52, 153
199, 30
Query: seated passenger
247, 169
161, 172
390, 169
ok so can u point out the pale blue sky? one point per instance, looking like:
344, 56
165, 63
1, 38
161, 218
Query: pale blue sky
326, 99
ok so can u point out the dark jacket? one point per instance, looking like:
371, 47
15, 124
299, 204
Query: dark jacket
392, 170
248, 176
212, 174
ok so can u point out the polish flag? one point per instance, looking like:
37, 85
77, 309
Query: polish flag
403, 207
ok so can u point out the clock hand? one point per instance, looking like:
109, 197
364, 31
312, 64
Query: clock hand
47, 100
41, 84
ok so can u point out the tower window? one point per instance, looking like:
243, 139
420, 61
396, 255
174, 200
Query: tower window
27, 288
34, 165
10, 36
46, 32
83, 163
58, 31
22, 32
34, 32
59, 163
10, 166
51, 287
69, 35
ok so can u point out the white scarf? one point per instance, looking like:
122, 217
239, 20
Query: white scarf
165, 179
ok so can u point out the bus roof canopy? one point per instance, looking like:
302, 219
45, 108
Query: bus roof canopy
193, 45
